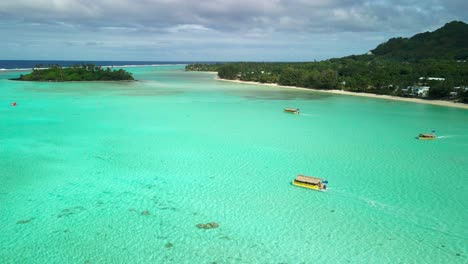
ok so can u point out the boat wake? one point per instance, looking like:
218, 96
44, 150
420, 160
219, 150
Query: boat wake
306, 115
419, 219
448, 136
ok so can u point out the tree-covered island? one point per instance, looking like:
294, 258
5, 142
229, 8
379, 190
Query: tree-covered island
431, 65
76, 73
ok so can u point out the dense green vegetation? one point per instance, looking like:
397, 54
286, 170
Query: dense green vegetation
85, 72
388, 72
448, 42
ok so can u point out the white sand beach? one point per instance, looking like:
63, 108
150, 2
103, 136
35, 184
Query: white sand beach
341, 92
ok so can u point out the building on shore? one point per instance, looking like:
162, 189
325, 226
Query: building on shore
417, 90
431, 79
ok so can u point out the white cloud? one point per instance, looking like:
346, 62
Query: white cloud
242, 26
238, 15
188, 28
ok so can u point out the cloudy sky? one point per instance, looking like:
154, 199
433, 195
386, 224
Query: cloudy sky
212, 30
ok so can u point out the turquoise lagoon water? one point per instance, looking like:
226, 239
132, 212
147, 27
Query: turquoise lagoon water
80, 163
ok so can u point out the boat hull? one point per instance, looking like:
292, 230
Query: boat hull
426, 138
305, 185
291, 111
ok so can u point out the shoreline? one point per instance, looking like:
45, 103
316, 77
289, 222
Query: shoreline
369, 95
109, 81
211, 72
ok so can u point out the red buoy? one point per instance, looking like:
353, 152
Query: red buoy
13, 104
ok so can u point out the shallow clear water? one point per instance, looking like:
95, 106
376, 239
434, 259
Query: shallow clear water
80, 163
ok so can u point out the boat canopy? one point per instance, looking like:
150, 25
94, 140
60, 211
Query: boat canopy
426, 135
308, 179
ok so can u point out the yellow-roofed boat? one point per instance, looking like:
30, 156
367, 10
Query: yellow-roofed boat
427, 136
292, 110
309, 182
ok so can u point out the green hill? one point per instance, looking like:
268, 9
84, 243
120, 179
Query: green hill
447, 42
395, 69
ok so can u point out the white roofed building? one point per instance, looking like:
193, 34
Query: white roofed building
419, 90
431, 79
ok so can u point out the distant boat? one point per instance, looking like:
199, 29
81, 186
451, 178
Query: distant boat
427, 136
292, 110
310, 182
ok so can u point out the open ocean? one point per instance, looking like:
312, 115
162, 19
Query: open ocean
123, 172
29, 64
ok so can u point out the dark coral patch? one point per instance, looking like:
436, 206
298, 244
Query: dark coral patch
210, 225
169, 245
145, 212
25, 221
71, 211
